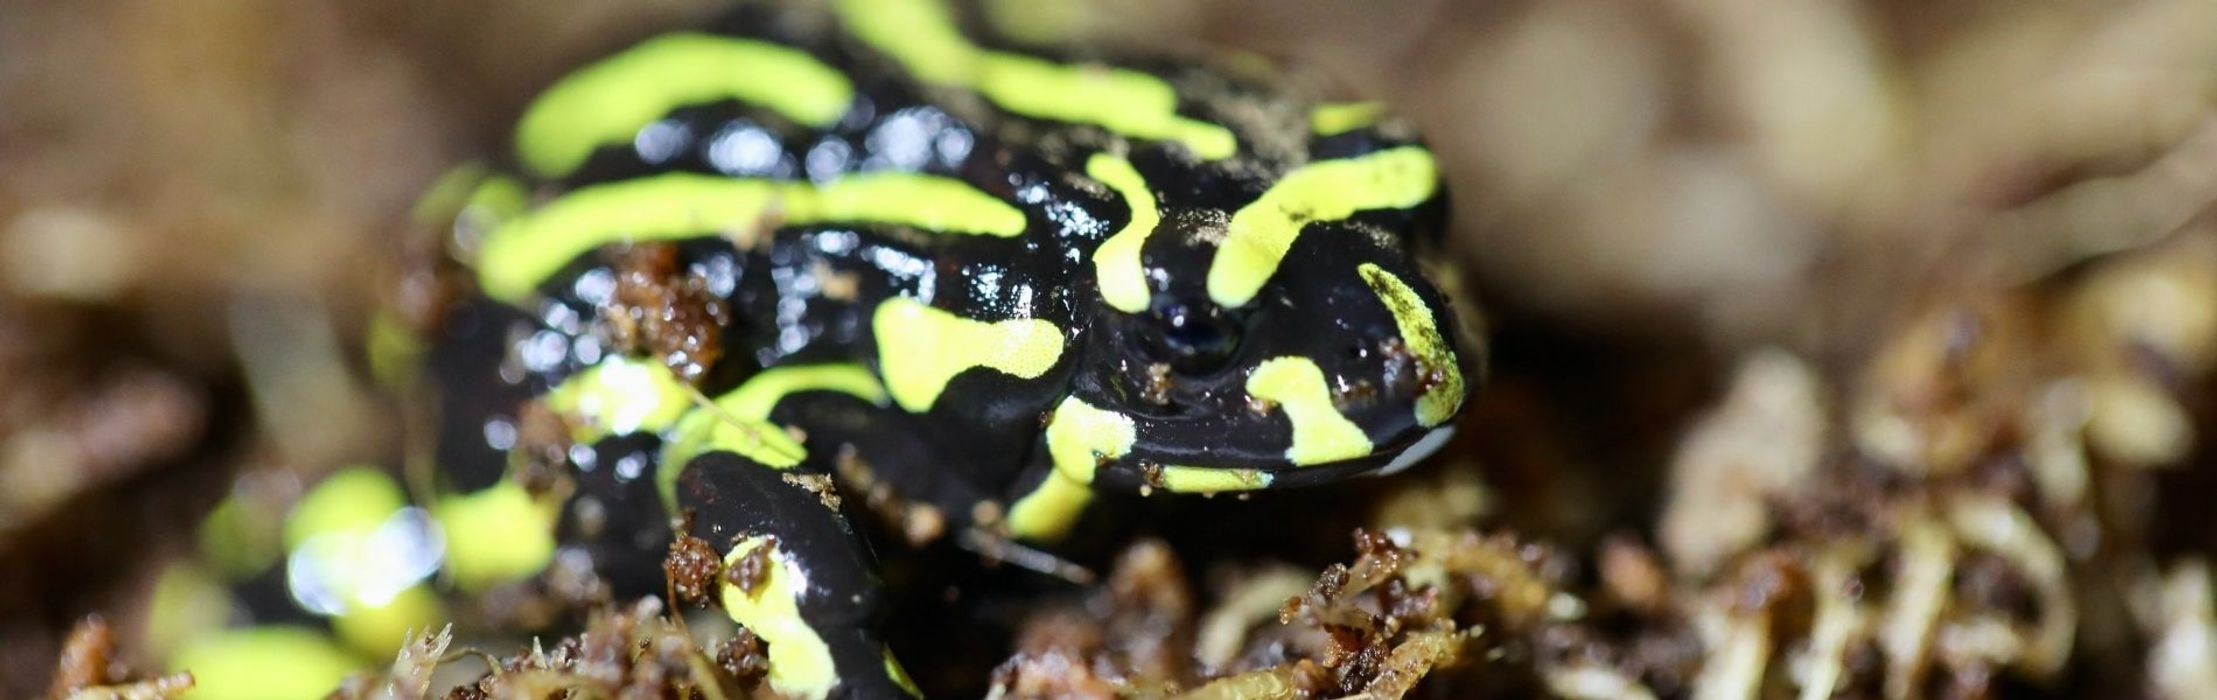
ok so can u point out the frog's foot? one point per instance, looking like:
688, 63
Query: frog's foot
795, 573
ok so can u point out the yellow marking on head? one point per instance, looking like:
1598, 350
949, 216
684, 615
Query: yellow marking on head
800, 661
675, 206
1420, 331
1078, 438
1334, 118
1320, 433
922, 36
921, 349
352, 500
265, 663
1180, 479
1327, 190
754, 436
1116, 264
610, 101
496, 535
621, 395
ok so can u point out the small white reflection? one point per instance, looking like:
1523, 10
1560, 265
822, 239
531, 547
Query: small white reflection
662, 140
741, 148
500, 434
333, 572
596, 286
544, 351
631, 466
828, 160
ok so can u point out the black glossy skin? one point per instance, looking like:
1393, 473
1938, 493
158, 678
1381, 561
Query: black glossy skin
981, 442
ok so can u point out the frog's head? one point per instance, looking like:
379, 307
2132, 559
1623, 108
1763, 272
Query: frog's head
1287, 338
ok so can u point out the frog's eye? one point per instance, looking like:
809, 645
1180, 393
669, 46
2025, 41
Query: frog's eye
1191, 338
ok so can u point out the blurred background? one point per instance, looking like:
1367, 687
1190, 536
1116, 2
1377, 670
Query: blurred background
1729, 249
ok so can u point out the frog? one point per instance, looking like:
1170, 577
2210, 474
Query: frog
728, 279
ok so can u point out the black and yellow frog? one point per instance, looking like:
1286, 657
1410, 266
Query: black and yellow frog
998, 283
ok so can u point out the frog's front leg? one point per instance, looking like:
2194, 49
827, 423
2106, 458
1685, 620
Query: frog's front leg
795, 573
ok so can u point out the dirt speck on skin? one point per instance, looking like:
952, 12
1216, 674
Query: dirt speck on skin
664, 312
826, 491
753, 569
693, 569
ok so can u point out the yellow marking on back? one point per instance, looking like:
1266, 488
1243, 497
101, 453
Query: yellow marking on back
921, 349
265, 662
620, 395
1181, 479
610, 101
1079, 437
800, 661
754, 436
1116, 264
1420, 331
674, 206
922, 36
496, 535
1320, 433
1326, 190
1334, 118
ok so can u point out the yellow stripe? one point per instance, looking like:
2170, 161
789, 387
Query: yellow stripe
1116, 264
524, 251
1328, 190
921, 349
755, 437
922, 36
1177, 479
1334, 118
1320, 433
1420, 330
800, 661
1078, 437
618, 396
609, 101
